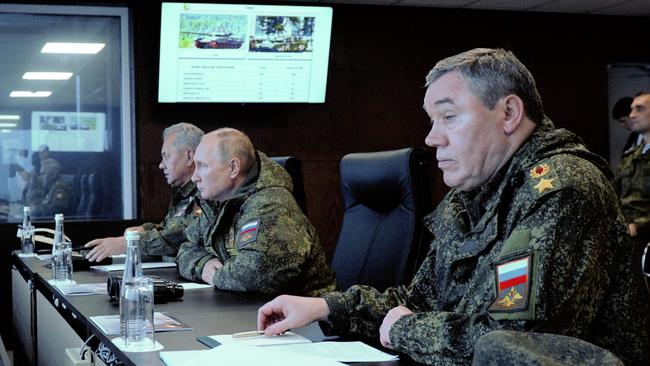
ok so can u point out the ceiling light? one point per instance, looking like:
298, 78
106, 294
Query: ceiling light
9, 117
29, 94
5, 131
8, 125
33, 75
60, 47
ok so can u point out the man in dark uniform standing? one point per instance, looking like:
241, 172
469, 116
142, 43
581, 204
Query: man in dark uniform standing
252, 235
632, 181
179, 143
530, 237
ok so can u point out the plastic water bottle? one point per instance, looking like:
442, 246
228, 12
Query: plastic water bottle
27, 233
136, 296
61, 253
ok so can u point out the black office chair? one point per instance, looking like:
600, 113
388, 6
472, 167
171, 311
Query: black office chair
83, 196
645, 270
95, 194
293, 166
385, 196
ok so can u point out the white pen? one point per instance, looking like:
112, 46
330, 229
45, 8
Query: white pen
252, 333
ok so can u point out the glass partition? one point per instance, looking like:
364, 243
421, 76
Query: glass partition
66, 141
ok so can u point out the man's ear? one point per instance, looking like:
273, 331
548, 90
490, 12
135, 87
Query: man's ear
514, 112
189, 154
233, 168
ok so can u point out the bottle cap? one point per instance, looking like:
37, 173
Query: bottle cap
132, 235
58, 217
26, 209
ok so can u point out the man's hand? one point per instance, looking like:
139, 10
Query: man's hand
633, 230
286, 312
210, 269
139, 229
393, 315
105, 247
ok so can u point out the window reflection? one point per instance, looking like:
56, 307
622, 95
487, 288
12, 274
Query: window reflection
62, 117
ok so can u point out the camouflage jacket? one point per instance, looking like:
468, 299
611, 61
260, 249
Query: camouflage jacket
261, 236
59, 199
632, 184
540, 247
165, 238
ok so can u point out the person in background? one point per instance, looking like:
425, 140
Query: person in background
529, 238
59, 196
179, 144
621, 114
252, 236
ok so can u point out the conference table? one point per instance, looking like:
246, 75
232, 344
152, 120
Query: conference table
48, 322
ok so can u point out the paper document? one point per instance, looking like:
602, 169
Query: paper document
262, 340
172, 358
338, 351
147, 265
110, 324
241, 355
44, 257
194, 286
78, 289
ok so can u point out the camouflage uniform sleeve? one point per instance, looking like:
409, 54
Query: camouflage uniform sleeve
54, 203
151, 225
167, 239
360, 310
568, 243
192, 254
271, 261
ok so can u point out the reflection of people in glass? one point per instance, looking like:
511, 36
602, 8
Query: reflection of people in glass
59, 196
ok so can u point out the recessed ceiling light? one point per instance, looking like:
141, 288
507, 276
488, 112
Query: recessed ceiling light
61, 47
8, 125
9, 117
29, 94
36, 75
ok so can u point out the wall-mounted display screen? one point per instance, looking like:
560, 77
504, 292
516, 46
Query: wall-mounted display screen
243, 53
69, 131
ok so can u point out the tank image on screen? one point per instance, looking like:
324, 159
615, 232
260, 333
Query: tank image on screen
282, 34
210, 31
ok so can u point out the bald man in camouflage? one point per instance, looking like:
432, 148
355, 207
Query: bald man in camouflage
252, 235
530, 237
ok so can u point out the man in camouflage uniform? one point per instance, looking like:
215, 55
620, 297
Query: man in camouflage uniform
632, 181
252, 235
530, 237
179, 143
59, 197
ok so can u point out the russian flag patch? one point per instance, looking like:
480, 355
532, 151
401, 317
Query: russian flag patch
512, 285
248, 233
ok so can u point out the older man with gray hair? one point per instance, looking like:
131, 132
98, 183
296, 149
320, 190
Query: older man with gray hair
179, 143
529, 238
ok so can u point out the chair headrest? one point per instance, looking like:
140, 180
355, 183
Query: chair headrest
378, 180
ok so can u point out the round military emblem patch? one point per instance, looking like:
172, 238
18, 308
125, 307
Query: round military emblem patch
540, 171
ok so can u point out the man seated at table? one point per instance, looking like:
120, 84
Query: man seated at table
179, 143
59, 196
252, 236
530, 238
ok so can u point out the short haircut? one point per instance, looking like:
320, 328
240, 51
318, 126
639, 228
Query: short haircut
232, 143
188, 136
642, 92
51, 165
622, 107
492, 74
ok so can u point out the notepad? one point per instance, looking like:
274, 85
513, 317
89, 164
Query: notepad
79, 289
110, 324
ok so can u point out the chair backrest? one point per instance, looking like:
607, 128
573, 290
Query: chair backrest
95, 193
385, 196
293, 166
83, 196
645, 266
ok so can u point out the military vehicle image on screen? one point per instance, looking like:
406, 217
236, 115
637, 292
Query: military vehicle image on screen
212, 31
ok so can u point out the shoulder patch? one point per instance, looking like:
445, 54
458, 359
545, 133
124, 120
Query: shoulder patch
513, 278
248, 233
543, 179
